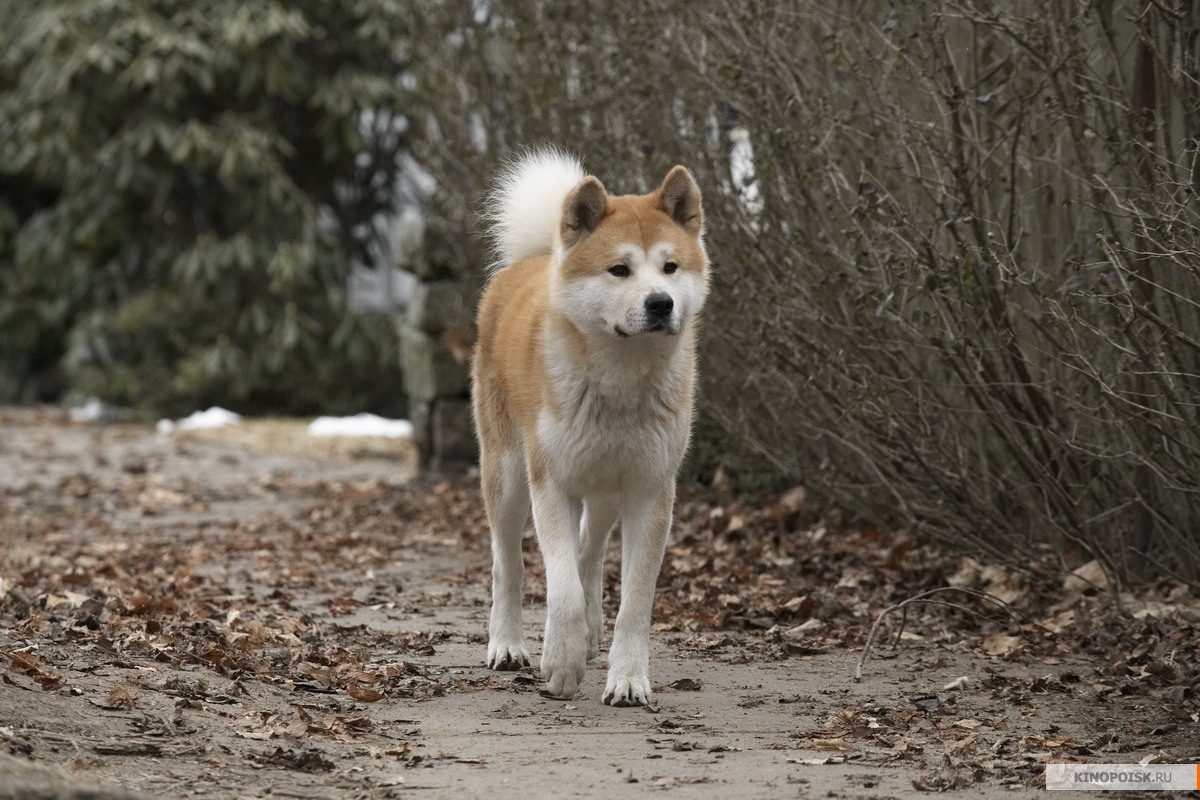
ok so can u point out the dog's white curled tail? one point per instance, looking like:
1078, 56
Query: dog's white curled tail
525, 210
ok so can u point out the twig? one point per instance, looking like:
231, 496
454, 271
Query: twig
923, 597
899, 630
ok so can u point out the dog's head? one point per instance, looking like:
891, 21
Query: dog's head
633, 265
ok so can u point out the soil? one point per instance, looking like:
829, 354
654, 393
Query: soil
197, 616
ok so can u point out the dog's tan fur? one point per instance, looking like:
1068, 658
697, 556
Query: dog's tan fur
583, 402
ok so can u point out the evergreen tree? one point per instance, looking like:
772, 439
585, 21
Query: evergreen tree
183, 188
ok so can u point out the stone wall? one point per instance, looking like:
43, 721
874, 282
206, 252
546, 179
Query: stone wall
436, 336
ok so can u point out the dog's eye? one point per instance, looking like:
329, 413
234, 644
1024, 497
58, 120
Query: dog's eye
619, 270
670, 267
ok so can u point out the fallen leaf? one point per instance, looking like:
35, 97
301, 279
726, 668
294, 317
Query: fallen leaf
118, 699
156, 499
927, 702
365, 694
307, 760
24, 663
838, 745
357, 724
138, 603
1001, 645
1087, 579
963, 746
69, 599
312, 686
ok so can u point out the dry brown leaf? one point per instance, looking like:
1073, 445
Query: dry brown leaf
1087, 579
156, 499
138, 603
967, 576
964, 745
365, 694
69, 599
355, 724
259, 734
256, 632
837, 745
790, 503
1001, 583
803, 630
117, 699
801, 606
24, 663
1001, 645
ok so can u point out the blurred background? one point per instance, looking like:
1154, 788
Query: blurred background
955, 243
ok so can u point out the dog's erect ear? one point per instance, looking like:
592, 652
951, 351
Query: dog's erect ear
583, 209
679, 197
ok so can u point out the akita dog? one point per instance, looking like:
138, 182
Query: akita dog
583, 389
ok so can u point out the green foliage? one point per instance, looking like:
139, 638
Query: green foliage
184, 188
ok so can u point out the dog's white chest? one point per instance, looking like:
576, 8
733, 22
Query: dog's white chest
600, 443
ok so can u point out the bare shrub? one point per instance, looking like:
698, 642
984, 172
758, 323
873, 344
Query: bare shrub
962, 291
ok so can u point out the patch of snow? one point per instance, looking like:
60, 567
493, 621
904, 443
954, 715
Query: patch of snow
361, 425
95, 411
215, 417
91, 411
741, 169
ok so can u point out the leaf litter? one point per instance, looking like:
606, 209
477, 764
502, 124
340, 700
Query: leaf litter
128, 574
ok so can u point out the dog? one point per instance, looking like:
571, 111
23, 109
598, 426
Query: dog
583, 383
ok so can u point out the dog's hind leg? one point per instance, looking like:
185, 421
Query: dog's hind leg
599, 514
506, 498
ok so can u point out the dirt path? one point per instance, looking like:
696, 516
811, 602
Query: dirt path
188, 618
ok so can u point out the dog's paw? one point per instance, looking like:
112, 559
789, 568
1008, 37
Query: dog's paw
562, 680
564, 659
627, 690
507, 656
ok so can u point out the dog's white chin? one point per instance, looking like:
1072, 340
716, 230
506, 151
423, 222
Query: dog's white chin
666, 330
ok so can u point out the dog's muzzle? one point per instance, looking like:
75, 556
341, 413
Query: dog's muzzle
659, 306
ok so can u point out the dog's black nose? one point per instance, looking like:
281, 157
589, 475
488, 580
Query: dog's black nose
659, 305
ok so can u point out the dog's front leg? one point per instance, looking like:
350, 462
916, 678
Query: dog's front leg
645, 521
564, 646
